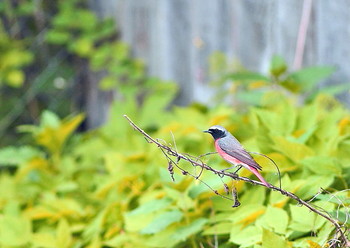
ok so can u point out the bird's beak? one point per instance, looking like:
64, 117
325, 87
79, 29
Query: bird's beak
205, 131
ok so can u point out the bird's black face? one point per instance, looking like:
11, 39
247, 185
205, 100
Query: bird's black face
217, 132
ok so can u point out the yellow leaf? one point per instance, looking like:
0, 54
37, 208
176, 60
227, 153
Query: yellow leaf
68, 126
53, 138
188, 130
281, 203
103, 190
257, 85
35, 163
172, 127
95, 243
344, 126
112, 232
252, 217
313, 244
48, 138
298, 133
282, 162
219, 119
15, 78
136, 157
40, 213
63, 235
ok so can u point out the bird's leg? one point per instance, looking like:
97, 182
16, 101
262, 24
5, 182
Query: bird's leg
239, 167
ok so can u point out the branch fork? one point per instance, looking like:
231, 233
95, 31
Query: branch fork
340, 239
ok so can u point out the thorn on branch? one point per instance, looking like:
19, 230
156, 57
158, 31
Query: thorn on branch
226, 188
171, 170
148, 141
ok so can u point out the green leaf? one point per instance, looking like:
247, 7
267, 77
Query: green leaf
341, 216
157, 101
15, 78
312, 184
251, 97
108, 83
220, 204
247, 76
218, 229
162, 221
278, 66
18, 155
303, 220
308, 117
183, 201
82, 46
270, 239
125, 239
55, 132
184, 232
275, 219
43, 239
88, 19
151, 206
323, 165
337, 199
330, 90
292, 150
67, 186
57, 37
256, 195
308, 77
280, 121
63, 234
49, 119
245, 236
302, 139
14, 231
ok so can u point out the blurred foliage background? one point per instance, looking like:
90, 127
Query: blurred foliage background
108, 187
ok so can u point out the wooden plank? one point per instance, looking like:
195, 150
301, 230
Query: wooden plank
332, 20
176, 38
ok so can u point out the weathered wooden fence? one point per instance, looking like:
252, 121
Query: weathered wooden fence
176, 37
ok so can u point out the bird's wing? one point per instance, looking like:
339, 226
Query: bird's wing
239, 153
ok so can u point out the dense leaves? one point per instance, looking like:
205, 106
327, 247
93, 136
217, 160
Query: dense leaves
250, 87
51, 54
111, 188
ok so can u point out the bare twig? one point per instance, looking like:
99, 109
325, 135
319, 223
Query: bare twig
342, 241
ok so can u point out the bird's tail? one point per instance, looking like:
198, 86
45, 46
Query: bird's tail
257, 174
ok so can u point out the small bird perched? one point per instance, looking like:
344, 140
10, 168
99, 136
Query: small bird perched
233, 152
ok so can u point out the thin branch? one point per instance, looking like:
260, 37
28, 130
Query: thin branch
168, 151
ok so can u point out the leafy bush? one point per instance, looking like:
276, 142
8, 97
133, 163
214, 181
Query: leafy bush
250, 87
110, 188
47, 58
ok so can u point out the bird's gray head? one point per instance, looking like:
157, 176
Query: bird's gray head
217, 132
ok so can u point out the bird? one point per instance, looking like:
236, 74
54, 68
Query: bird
233, 152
